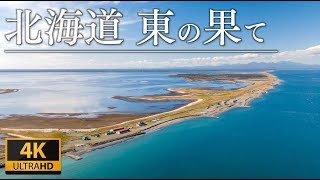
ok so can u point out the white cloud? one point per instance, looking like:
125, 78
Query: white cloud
11, 4
144, 61
298, 54
301, 56
308, 55
129, 22
104, 2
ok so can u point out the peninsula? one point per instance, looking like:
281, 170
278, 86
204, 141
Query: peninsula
5, 91
81, 135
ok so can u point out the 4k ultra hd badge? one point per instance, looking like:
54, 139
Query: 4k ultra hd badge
33, 156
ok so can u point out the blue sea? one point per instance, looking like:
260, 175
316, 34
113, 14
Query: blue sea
278, 137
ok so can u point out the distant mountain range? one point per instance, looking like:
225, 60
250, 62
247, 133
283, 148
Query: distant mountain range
283, 65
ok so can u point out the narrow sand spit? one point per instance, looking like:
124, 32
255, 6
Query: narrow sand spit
205, 103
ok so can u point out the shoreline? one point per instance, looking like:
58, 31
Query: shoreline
213, 104
78, 155
245, 104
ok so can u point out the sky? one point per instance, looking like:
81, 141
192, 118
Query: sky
291, 27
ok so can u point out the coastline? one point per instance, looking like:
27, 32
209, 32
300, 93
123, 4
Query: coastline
198, 107
244, 102
78, 155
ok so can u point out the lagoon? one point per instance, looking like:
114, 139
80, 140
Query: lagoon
91, 91
278, 137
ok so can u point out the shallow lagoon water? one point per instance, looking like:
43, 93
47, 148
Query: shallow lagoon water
278, 137
91, 91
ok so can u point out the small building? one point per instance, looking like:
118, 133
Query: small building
79, 145
154, 120
123, 131
96, 135
110, 132
141, 124
117, 129
86, 138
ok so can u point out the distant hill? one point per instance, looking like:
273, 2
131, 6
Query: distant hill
283, 65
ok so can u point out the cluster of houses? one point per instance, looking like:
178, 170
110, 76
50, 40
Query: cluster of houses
120, 130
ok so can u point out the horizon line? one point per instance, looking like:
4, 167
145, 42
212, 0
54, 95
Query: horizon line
139, 51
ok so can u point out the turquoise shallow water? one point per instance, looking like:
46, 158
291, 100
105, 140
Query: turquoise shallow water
278, 137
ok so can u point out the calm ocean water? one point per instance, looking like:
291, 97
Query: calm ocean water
278, 137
